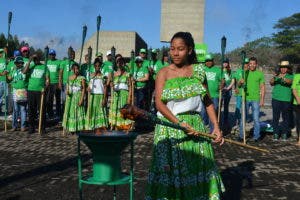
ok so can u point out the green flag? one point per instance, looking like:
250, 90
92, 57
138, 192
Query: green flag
201, 50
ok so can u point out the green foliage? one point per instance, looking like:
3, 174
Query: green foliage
287, 39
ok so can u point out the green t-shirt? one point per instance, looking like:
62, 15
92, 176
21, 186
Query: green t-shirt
107, 68
26, 61
37, 77
66, 65
2, 68
282, 91
19, 80
11, 65
140, 73
54, 68
254, 80
156, 66
296, 86
213, 77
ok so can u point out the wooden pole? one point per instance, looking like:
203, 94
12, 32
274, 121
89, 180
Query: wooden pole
223, 47
243, 53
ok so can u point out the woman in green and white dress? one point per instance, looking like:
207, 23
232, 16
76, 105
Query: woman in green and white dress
74, 113
121, 86
183, 165
96, 118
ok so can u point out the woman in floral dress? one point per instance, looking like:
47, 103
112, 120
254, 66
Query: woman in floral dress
183, 165
120, 96
96, 118
74, 114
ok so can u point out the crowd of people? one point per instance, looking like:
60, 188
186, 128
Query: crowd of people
88, 96
179, 88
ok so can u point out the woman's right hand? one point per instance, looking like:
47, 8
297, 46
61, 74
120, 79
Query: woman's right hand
189, 128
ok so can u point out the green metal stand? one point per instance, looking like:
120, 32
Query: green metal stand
106, 150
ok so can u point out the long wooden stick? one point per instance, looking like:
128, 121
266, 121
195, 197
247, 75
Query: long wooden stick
243, 53
134, 113
41, 111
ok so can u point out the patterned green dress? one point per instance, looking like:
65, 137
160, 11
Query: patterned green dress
183, 166
96, 114
119, 99
74, 115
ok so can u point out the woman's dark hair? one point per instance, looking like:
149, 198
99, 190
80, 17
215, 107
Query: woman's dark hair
75, 65
165, 54
97, 60
189, 41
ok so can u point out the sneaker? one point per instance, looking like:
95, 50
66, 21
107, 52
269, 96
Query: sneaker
13, 129
275, 137
284, 137
239, 139
23, 129
257, 140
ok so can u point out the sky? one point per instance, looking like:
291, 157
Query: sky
58, 23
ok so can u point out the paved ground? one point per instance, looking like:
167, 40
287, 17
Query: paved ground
37, 167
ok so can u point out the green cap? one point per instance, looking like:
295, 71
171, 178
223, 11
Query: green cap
19, 59
99, 54
246, 60
208, 57
154, 51
1, 50
143, 50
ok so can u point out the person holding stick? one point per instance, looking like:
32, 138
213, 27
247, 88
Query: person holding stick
74, 114
179, 157
19, 85
38, 81
122, 88
239, 85
214, 83
96, 117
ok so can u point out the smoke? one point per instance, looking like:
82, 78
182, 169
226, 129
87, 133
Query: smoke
59, 43
253, 23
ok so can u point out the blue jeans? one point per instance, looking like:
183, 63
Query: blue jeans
19, 109
238, 114
254, 105
205, 116
3, 95
140, 97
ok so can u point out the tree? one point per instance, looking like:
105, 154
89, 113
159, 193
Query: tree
288, 37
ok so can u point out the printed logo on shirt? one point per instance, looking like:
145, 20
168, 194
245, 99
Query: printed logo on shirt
211, 76
2, 66
37, 73
52, 68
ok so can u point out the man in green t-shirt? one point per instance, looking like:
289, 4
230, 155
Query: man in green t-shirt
296, 102
214, 82
53, 66
19, 83
281, 100
38, 81
107, 67
255, 94
140, 77
3, 84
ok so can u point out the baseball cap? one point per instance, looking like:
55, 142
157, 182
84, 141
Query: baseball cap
19, 59
246, 60
208, 57
1, 50
25, 48
108, 52
154, 51
99, 54
17, 53
52, 52
142, 50
226, 60
139, 59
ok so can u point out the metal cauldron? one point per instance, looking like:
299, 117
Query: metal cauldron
106, 149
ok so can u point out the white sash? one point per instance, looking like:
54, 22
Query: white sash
121, 86
96, 86
184, 105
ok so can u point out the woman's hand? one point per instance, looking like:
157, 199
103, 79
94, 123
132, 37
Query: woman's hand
218, 133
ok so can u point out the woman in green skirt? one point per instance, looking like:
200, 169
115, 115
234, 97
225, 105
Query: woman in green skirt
121, 90
96, 118
74, 113
183, 165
